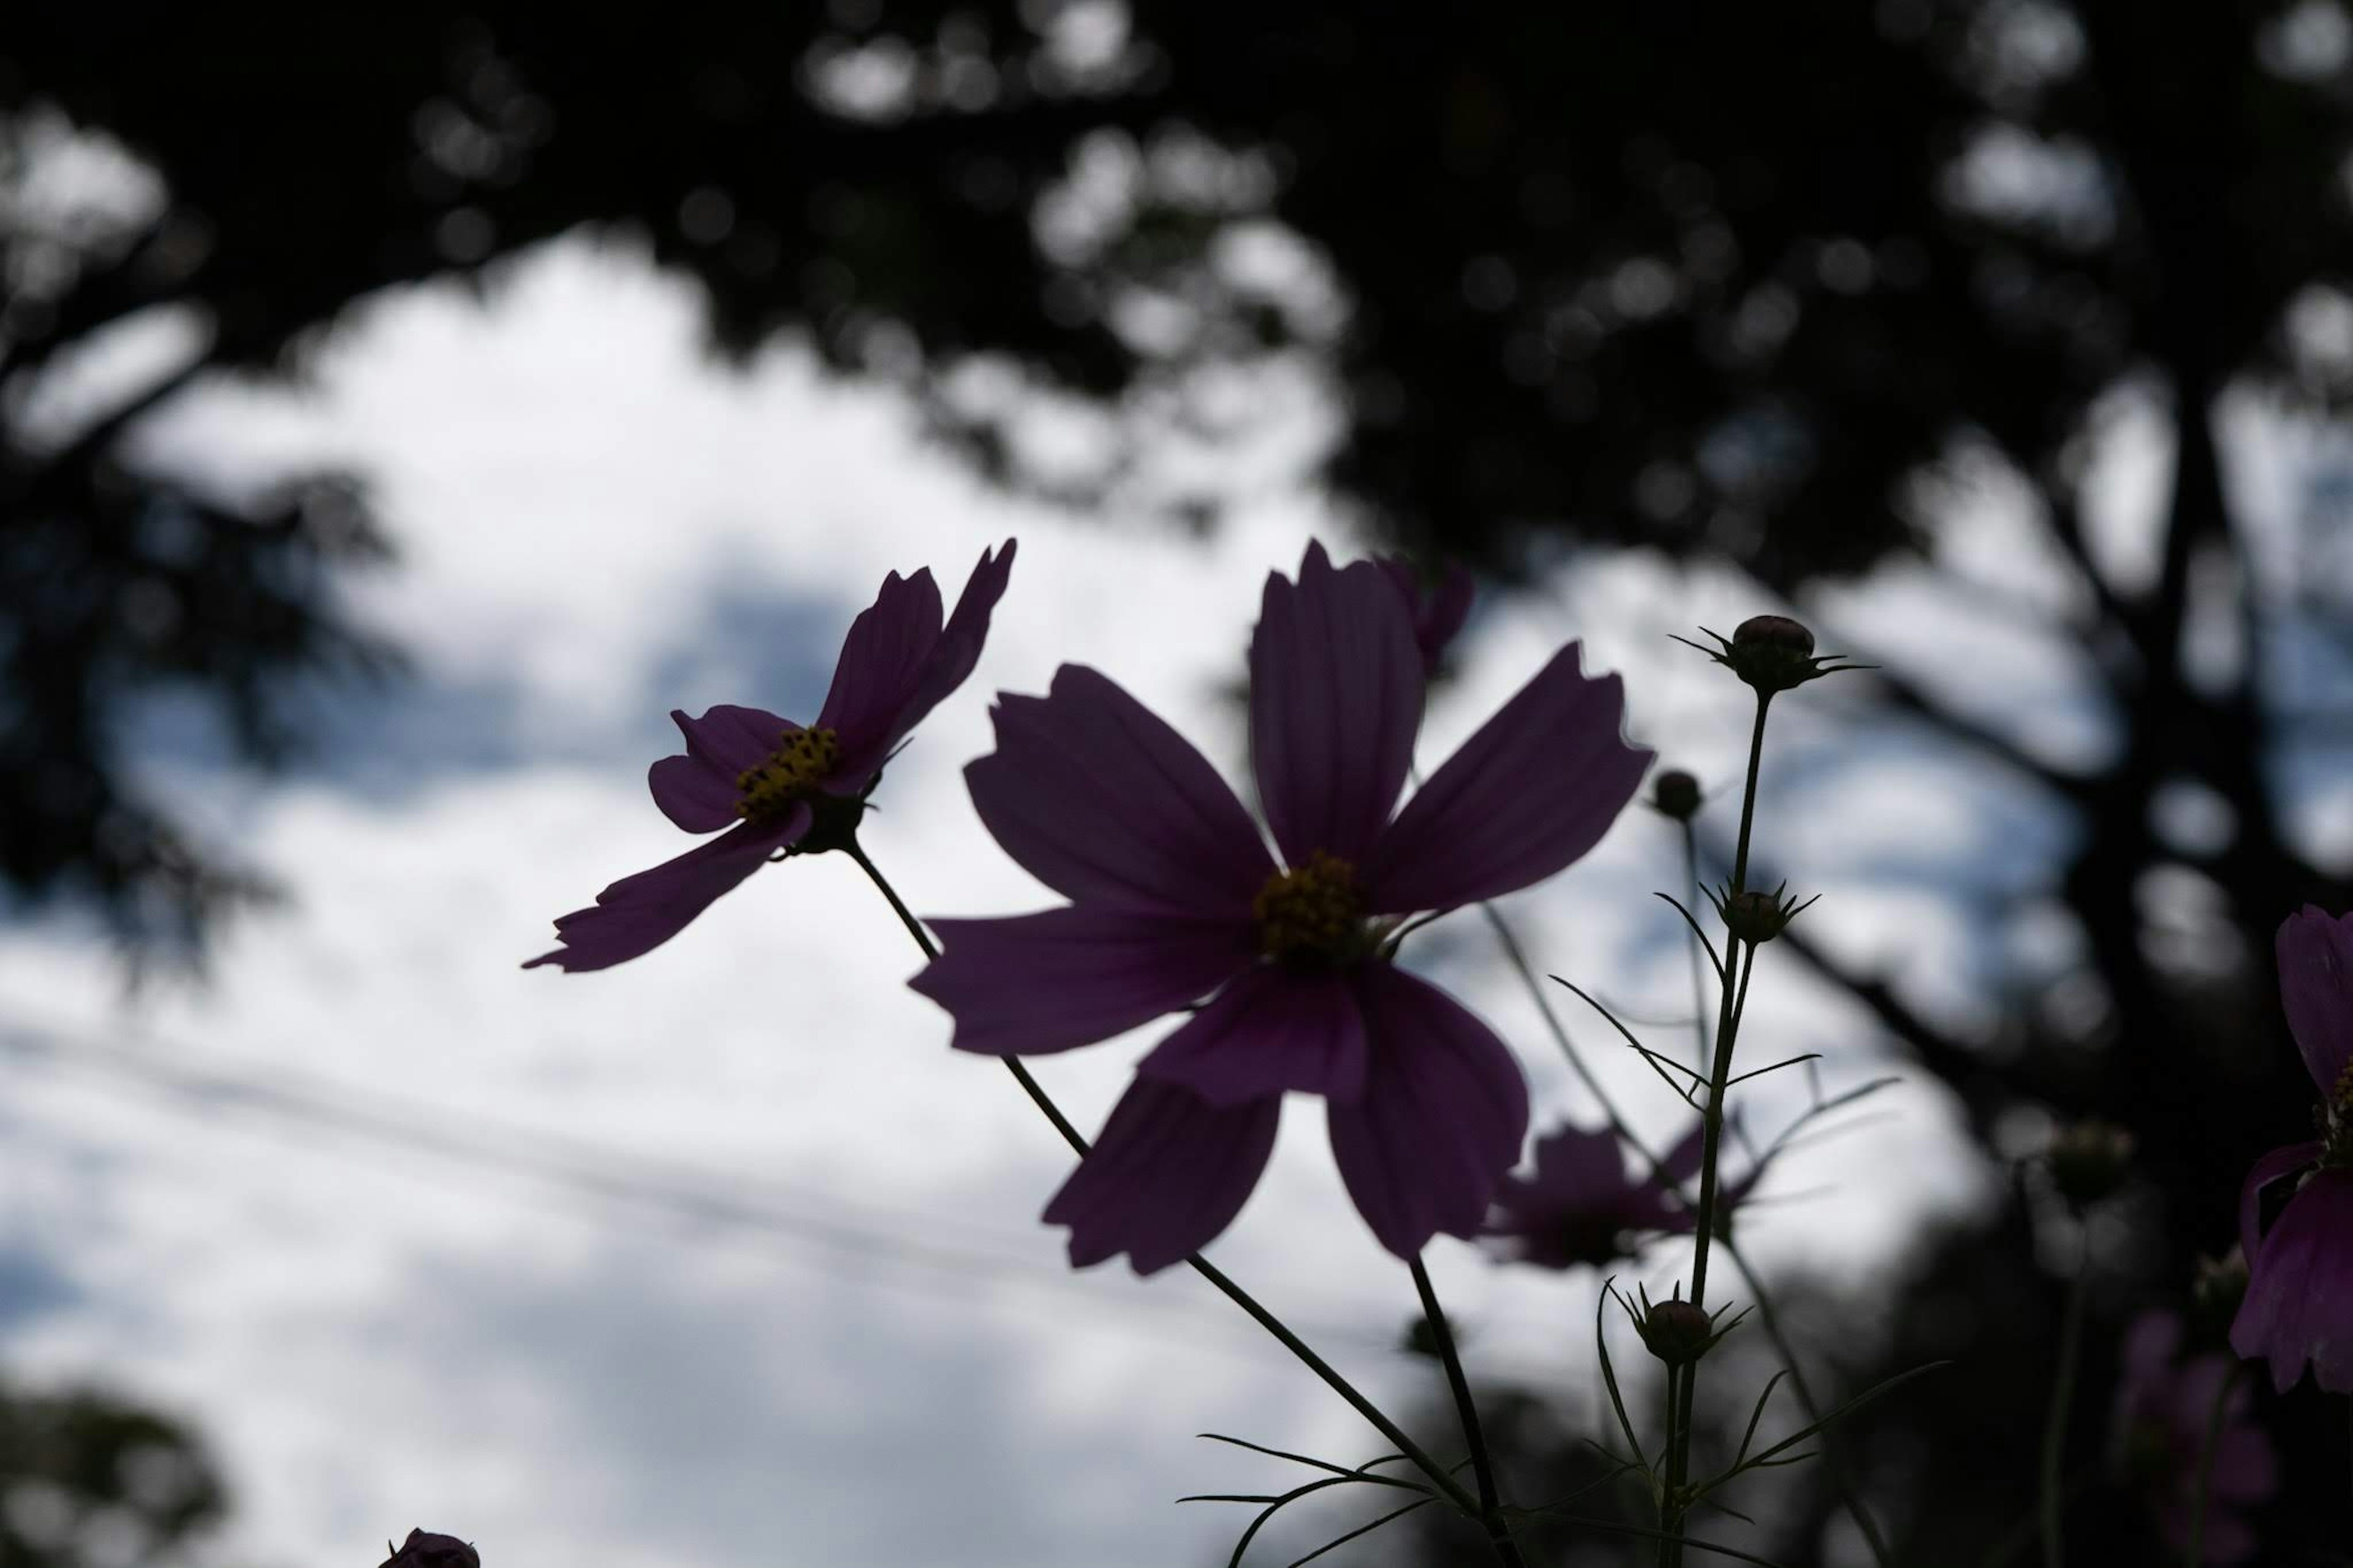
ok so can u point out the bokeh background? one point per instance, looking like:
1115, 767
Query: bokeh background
402, 409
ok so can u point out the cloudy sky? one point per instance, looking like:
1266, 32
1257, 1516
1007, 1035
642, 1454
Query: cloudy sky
722, 1258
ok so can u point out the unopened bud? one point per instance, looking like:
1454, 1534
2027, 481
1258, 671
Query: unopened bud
2089, 1159
1771, 653
1676, 1331
1675, 793
1779, 632
1754, 915
423, 1549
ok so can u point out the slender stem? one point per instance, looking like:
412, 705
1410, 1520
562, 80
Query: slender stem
1732, 1001
2063, 1399
1698, 964
1413, 1451
2196, 1555
1490, 1502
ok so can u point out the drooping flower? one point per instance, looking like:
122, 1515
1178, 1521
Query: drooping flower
777, 786
2299, 1301
2164, 1408
1438, 608
1583, 1205
1174, 898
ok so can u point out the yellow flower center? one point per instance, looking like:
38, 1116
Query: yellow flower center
792, 774
1312, 912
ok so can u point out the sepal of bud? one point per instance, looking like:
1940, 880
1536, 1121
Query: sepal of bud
1772, 653
1674, 794
423, 1549
1753, 915
2089, 1159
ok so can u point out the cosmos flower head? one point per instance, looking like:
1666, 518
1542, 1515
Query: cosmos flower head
1175, 899
776, 787
2164, 1406
2298, 1309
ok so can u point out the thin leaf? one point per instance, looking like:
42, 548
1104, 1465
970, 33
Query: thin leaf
1259, 1523
1609, 1380
1362, 1529
1758, 1414
1887, 1386
1231, 1497
1648, 1055
1325, 1465
1776, 1067
1692, 920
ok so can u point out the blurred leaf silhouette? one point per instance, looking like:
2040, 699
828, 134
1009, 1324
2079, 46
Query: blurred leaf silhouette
91, 1480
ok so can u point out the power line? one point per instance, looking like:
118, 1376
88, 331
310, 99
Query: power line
825, 1240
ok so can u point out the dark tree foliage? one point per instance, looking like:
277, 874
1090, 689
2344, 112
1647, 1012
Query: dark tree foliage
1741, 284
89, 1480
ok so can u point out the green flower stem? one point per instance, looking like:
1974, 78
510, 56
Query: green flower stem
1490, 1502
1446, 1484
2063, 1399
2196, 1555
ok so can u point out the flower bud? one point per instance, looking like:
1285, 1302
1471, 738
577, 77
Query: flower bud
1754, 915
2089, 1159
1675, 795
1771, 653
425, 1549
1676, 1331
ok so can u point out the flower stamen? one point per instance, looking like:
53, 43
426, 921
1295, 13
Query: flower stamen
1312, 912
792, 774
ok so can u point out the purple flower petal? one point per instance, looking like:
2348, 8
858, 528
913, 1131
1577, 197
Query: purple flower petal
1335, 698
2315, 969
1102, 802
698, 791
2246, 1467
1271, 1030
1437, 611
1030, 984
1444, 1112
882, 660
2299, 1301
2149, 1347
866, 738
638, 915
2279, 1163
1535, 788
1168, 1174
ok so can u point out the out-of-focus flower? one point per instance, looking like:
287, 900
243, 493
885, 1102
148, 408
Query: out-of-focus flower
1583, 1205
1675, 795
423, 1549
2164, 1409
776, 786
2299, 1301
1174, 898
1437, 607
2090, 1160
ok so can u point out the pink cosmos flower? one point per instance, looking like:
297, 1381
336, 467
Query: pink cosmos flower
2299, 1301
1174, 898
2162, 1410
1437, 609
1583, 1205
775, 787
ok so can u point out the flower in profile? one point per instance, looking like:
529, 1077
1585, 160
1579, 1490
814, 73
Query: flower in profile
1582, 1205
423, 1549
2165, 1407
1437, 606
2299, 1302
776, 786
1174, 898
